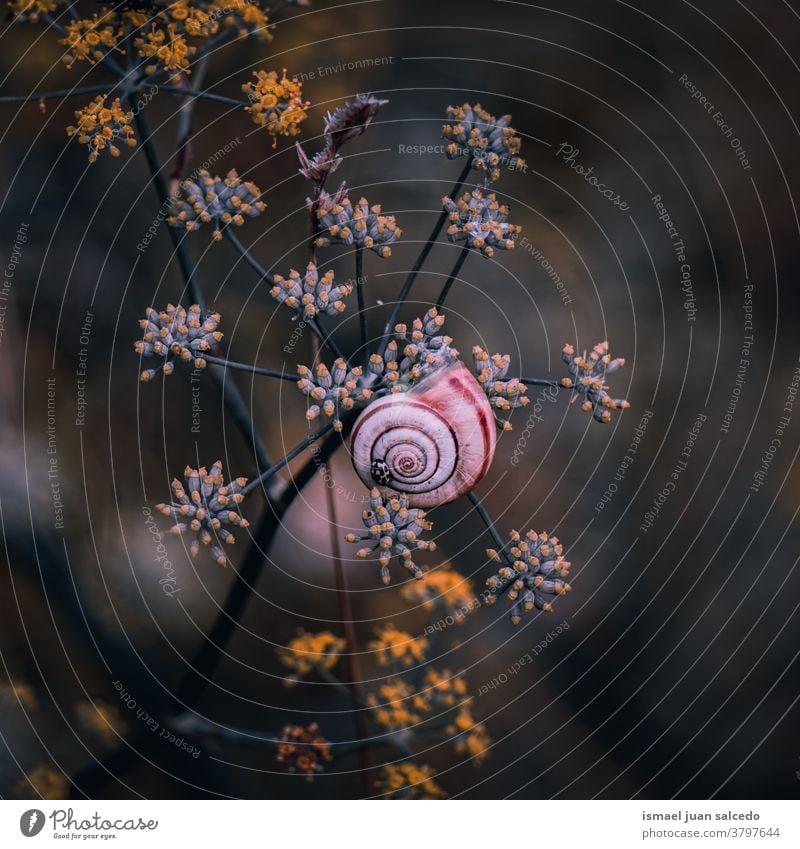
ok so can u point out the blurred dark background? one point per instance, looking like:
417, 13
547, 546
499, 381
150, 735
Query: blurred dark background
678, 675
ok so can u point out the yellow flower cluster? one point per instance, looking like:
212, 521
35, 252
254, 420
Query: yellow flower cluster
408, 780
276, 103
307, 651
393, 646
444, 688
100, 125
86, 37
473, 738
442, 588
31, 10
168, 47
396, 704
247, 16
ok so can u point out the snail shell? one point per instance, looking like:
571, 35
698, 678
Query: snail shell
432, 443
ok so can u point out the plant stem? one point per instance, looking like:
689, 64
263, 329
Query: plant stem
536, 381
63, 92
453, 274
230, 394
263, 274
208, 656
481, 511
287, 458
348, 626
426, 249
362, 307
265, 372
204, 95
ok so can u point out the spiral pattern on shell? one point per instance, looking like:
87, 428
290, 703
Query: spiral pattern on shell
433, 443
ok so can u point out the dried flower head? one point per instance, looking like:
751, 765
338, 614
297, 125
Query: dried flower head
320, 166
99, 126
351, 119
223, 201
179, 334
489, 141
533, 568
504, 395
307, 652
332, 391
393, 647
397, 705
481, 221
443, 590
424, 351
85, 38
204, 506
276, 103
310, 294
409, 780
302, 749
363, 225
470, 737
394, 529
43, 782
589, 380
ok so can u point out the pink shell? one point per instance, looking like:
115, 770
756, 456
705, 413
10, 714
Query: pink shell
433, 443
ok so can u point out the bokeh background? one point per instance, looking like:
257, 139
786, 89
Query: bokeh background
678, 675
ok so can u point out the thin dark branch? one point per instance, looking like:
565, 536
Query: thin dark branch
208, 656
62, 92
453, 275
263, 274
204, 95
538, 381
481, 511
288, 457
362, 307
264, 372
232, 399
426, 249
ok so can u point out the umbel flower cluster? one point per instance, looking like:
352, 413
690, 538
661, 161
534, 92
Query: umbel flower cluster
589, 380
533, 568
99, 125
480, 221
393, 529
302, 749
307, 652
214, 199
310, 294
332, 391
203, 506
490, 142
179, 334
414, 353
276, 103
362, 225
168, 36
503, 394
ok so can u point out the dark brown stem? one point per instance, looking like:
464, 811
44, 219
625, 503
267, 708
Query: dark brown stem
426, 249
453, 275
